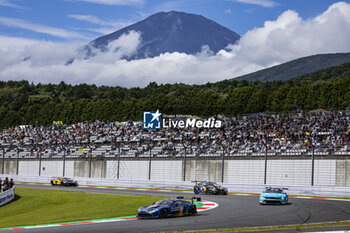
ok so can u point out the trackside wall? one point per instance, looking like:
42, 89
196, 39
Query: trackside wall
327, 172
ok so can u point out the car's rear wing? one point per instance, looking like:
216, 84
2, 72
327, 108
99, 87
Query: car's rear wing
198, 181
266, 188
196, 198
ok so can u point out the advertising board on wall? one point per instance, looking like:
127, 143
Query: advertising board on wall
7, 196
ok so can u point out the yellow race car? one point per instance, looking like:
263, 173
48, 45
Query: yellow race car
63, 181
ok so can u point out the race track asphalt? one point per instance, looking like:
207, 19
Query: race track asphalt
233, 212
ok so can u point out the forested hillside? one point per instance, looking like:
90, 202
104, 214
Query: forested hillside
297, 67
25, 103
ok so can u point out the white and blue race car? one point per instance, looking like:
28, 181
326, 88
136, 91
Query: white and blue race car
274, 196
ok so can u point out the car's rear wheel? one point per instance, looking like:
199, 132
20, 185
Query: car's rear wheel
163, 213
192, 210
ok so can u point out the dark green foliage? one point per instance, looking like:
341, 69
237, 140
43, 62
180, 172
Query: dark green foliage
298, 67
24, 103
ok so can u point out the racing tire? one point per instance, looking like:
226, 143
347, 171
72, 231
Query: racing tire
192, 211
163, 213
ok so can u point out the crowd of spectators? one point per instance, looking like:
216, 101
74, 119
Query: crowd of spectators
6, 184
323, 131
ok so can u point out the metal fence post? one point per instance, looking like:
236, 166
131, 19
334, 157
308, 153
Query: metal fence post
39, 163
313, 165
185, 155
90, 158
3, 161
265, 171
223, 164
64, 161
17, 161
150, 163
118, 162
102, 166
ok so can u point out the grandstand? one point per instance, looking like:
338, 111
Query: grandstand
320, 133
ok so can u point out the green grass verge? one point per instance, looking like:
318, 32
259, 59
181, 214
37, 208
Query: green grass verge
38, 206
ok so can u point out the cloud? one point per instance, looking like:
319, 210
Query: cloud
109, 26
286, 38
125, 46
95, 20
290, 36
57, 32
264, 3
6, 3
114, 2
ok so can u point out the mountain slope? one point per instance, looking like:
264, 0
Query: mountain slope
171, 32
297, 67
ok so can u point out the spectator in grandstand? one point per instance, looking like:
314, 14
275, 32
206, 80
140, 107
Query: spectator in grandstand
0, 185
327, 131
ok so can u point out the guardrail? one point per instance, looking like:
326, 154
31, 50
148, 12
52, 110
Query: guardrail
7, 196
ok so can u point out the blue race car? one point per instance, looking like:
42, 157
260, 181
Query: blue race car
274, 195
208, 187
168, 207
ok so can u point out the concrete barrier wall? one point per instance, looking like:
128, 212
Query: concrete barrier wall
51, 168
203, 170
328, 172
244, 171
10, 167
30, 168
133, 170
170, 170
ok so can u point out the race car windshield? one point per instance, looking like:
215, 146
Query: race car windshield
273, 191
164, 202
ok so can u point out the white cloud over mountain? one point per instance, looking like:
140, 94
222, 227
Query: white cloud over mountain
286, 38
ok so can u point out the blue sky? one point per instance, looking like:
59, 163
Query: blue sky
83, 20
38, 37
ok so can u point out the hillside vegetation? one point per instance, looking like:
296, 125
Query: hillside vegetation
25, 103
297, 67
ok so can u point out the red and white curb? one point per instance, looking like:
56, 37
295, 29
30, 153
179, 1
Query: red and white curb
208, 205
